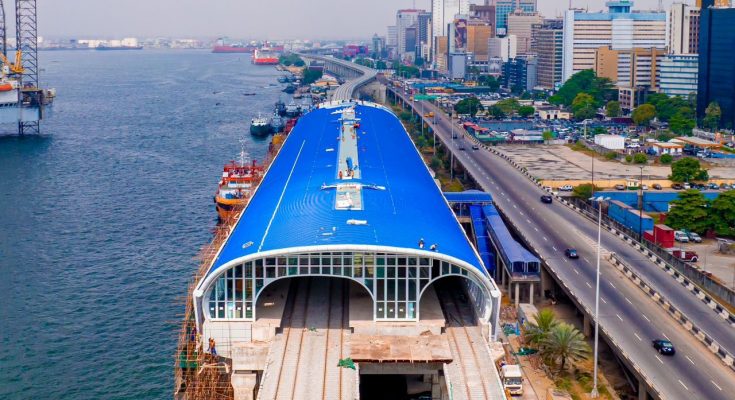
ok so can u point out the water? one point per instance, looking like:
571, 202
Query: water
101, 216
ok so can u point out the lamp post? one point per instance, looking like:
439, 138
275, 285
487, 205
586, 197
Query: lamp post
640, 207
451, 151
599, 200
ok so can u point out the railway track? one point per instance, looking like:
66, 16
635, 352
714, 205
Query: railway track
289, 330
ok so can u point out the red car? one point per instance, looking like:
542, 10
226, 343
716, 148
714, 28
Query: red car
686, 255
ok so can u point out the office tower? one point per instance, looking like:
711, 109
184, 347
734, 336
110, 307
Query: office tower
519, 24
716, 67
678, 74
547, 43
682, 33
505, 7
478, 34
504, 48
406, 33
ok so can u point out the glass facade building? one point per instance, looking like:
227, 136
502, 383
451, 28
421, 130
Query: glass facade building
716, 68
678, 75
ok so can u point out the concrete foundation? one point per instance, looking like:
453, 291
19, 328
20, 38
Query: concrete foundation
243, 384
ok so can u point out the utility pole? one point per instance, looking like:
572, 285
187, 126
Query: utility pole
640, 207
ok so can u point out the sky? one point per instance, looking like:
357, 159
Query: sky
247, 19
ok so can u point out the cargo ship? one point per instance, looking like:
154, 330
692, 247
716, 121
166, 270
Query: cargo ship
260, 126
265, 56
119, 48
222, 46
239, 181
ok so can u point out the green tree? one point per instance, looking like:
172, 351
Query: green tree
509, 106
640, 158
496, 112
628, 158
722, 214
688, 169
681, 124
537, 330
547, 135
666, 159
381, 65
583, 106
469, 105
643, 114
436, 163
612, 109
564, 342
690, 211
490, 82
585, 190
611, 155
712, 116
526, 111
601, 89
311, 76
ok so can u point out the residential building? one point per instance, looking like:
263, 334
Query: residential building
682, 33
519, 74
520, 24
678, 74
505, 7
618, 28
547, 43
716, 66
504, 48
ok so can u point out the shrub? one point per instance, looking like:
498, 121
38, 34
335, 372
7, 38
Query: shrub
611, 155
666, 159
640, 158
628, 158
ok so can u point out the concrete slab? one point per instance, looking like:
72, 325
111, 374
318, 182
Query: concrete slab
411, 349
269, 310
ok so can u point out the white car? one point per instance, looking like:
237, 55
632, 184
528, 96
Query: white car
566, 188
680, 236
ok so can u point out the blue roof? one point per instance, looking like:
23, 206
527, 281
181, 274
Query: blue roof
468, 196
296, 204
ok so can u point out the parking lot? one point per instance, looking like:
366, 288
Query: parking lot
711, 260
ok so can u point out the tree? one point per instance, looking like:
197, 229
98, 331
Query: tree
381, 65
722, 214
526, 111
311, 76
688, 169
666, 159
509, 106
564, 342
712, 116
585, 190
681, 124
538, 330
640, 158
469, 105
612, 109
496, 112
583, 106
547, 135
689, 211
643, 114
490, 82
601, 89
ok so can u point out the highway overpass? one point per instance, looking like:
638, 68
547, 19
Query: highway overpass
629, 319
355, 75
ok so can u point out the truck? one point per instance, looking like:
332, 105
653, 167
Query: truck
512, 379
685, 255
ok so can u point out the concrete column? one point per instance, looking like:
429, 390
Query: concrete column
530, 294
587, 326
642, 390
436, 387
517, 293
243, 384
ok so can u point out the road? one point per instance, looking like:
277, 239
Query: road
626, 313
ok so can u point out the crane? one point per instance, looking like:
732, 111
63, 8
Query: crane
15, 68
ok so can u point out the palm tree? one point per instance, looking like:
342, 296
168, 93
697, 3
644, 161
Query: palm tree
537, 331
565, 342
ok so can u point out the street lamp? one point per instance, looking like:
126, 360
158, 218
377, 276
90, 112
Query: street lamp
640, 207
599, 200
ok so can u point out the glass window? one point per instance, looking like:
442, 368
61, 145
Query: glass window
391, 290
303, 260
270, 272
315, 260
293, 261
380, 260
391, 260
270, 261
281, 260
401, 310
392, 272
402, 261
402, 271
336, 260
411, 306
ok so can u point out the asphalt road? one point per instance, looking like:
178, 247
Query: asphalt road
626, 313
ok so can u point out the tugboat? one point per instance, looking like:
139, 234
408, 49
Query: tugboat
292, 110
239, 181
280, 108
290, 89
260, 126
277, 123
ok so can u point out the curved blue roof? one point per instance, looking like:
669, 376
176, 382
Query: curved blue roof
396, 203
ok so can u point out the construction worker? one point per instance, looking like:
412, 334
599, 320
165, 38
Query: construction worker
212, 349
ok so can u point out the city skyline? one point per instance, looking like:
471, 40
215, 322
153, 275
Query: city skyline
280, 19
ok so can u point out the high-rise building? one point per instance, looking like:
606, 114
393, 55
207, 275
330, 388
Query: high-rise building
392, 37
519, 74
682, 33
442, 14
716, 67
547, 42
406, 33
378, 48
505, 7
478, 34
504, 48
484, 12
424, 35
678, 74
636, 67
618, 28
519, 24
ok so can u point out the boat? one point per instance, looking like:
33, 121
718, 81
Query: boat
283, 79
119, 48
260, 126
292, 110
291, 88
265, 56
239, 181
280, 108
222, 46
277, 123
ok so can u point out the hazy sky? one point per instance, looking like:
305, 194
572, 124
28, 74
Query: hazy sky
263, 19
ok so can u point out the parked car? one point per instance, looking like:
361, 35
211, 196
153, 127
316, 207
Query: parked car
644, 187
677, 186
571, 253
656, 186
566, 188
713, 186
725, 186
694, 237
686, 186
619, 187
682, 237
685, 255
664, 347
546, 199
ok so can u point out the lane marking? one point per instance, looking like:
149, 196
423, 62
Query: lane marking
528, 220
716, 385
590, 286
586, 260
659, 360
611, 284
682, 384
690, 360
644, 316
628, 300
555, 249
545, 239
667, 338
536, 229
603, 299
577, 272
636, 335
618, 315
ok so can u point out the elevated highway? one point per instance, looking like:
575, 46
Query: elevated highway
355, 75
629, 319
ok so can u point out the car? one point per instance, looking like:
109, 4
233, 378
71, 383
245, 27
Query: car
571, 253
475, 147
644, 187
566, 188
726, 186
461, 147
677, 186
680, 236
657, 186
664, 347
685, 255
619, 187
454, 136
546, 199
693, 237
686, 186
713, 186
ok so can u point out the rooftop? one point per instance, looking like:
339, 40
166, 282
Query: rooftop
348, 177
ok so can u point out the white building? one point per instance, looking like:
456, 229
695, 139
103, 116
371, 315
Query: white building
504, 48
442, 14
682, 29
610, 142
520, 24
406, 32
678, 74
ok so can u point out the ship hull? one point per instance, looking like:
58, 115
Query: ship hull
265, 61
230, 49
260, 130
227, 208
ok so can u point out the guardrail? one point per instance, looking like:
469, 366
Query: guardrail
726, 357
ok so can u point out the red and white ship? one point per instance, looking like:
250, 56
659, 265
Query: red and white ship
265, 56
